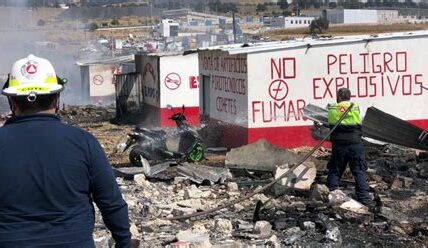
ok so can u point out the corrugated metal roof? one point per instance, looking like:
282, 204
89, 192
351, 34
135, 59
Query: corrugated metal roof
106, 61
164, 54
388, 128
309, 42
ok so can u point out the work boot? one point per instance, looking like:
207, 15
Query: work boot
370, 204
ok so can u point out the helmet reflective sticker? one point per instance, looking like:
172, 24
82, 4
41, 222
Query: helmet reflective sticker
29, 69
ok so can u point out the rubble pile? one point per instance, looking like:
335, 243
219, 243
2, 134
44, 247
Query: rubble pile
292, 216
87, 113
297, 211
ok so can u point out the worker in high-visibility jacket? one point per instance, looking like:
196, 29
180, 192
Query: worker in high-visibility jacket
347, 146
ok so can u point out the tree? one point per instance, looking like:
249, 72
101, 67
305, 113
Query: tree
351, 4
200, 7
174, 5
213, 5
369, 3
218, 6
315, 3
92, 26
410, 3
229, 7
332, 5
423, 5
318, 25
301, 4
114, 22
261, 7
283, 4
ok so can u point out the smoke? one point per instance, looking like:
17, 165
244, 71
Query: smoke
21, 34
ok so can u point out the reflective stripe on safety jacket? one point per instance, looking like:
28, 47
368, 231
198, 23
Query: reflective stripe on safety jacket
335, 111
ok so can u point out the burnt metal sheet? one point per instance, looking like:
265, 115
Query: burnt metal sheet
128, 172
381, 126
388, 128
148, 171
203, 173
315, 113
153, 171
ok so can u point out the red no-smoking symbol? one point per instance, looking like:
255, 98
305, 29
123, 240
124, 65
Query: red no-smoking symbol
98, 80
172, 81
278, 90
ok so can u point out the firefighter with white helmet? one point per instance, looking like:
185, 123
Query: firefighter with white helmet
50, 172
32, 76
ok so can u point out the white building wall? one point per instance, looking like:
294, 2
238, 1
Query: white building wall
387, 16
291, 22
165, 27
335, 16
387, 74
228, 89
352, 16
101, 81
179, 80
149, 69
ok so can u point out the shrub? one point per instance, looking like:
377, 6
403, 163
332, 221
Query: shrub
92, 26
114, 22
318, 25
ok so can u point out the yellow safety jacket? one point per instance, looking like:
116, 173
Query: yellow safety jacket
349, 131
335, 111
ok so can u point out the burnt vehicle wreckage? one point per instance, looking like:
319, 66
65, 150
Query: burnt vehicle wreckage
147, 144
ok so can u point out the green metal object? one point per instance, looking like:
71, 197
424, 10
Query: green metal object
196, 154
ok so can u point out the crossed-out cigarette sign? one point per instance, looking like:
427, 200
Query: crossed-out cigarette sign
172, 81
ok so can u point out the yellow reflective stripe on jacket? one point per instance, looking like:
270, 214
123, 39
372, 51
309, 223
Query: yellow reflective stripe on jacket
336, 110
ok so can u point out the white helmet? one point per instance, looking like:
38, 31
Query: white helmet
32, 76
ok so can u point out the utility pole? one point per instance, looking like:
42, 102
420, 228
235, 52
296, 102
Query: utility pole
234, 27
151, 12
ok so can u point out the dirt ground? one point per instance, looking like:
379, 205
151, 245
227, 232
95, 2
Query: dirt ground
342, 30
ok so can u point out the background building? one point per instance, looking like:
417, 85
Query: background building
169, 28
291, 21
361, 16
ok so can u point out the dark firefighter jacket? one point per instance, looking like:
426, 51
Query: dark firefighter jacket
50, 173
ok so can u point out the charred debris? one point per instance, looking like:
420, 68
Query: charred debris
299, 210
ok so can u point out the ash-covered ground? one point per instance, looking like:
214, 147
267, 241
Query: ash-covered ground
308, 215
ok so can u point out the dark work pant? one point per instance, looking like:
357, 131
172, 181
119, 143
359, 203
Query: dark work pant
354, 155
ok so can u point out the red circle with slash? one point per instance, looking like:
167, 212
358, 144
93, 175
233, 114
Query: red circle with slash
172, 81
